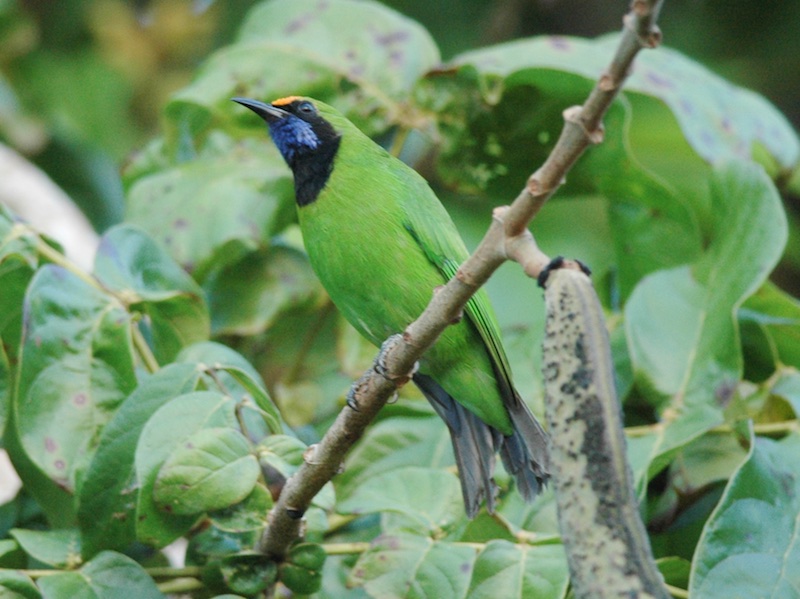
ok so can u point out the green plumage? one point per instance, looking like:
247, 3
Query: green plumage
381, 243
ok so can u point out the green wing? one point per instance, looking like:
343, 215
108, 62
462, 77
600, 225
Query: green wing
433, 229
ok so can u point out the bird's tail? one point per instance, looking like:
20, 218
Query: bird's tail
475, 443
524, 452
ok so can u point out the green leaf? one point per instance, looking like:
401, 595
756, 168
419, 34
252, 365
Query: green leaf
76, 367
133, 266
12, 555
392, 445
182, 207
402, 565
504, 569
107, 500
749, 546
777, 314
247, 296
267, 410
787, 386
240, 380
284, 454
362, 54
248, 573
56, 548
15, 275
675, 571
168, 428
212, 469
680, 323
720, 121
246, 516
108, 576
539, 516
16, 585
431, 497
489, 112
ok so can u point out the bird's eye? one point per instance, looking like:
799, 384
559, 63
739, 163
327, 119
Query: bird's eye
306, 107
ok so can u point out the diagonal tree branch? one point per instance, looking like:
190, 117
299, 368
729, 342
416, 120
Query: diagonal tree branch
507, 238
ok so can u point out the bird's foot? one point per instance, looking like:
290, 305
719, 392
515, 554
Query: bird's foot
381, 367
356, 390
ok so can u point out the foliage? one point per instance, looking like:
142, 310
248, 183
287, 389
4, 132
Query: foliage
132, 397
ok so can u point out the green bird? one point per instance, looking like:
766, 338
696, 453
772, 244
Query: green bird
380, 242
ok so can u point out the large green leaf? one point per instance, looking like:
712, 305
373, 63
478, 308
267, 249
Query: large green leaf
750, 545
76, 367
135, 268
212, 469
18, 260
409, 566
681, 323
59, 548
719, 120
402, 565
227, 370
393, 445
212, 211
108, 496
506, 569
486, 121
246, 297
430, 497
108, 576
777, 315
16, 585
167, 428
363, 55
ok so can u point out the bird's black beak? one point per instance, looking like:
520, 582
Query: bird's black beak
268, 112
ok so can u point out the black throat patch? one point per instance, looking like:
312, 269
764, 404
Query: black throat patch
312, 169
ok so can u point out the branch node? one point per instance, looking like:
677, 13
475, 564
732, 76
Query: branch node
653, 39
640, 8
294, 513
308, 454
465, 277
648, 36
499, 213
574, 116
534, 185
597, 136
606, 82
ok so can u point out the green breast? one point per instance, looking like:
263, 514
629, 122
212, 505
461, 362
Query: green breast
380, 278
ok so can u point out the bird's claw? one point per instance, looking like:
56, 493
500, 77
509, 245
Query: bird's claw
380, 366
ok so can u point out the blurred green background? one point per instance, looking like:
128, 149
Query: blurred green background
83, 82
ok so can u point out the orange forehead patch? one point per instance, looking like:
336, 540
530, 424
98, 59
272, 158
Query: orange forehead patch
285, 101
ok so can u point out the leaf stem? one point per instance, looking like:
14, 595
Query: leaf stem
677, 592
180, 585
762, 428
61, 260
143, 349
345, 548
168, 571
